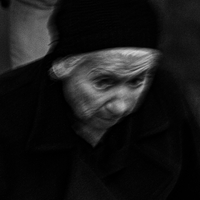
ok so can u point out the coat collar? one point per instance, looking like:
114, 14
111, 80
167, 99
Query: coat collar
152, 118
51, 130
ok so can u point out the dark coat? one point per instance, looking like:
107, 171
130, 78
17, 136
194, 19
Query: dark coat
151, 154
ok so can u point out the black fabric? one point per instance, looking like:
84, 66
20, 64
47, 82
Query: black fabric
151, 154
87, 25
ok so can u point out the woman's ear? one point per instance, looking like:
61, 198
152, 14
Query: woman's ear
61, 69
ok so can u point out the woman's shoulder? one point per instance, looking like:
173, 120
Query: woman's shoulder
19, 77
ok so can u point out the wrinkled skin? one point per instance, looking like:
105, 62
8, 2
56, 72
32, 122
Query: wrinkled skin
101, 97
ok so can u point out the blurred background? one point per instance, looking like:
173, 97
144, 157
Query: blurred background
24, 37
4, 41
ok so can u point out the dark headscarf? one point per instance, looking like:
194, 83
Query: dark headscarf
89, 25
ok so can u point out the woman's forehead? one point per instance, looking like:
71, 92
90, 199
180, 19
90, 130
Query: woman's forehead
123, 61
115, 73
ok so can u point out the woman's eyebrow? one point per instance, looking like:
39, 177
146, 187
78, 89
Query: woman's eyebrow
137, 75
101, 72
108, 76
141, 73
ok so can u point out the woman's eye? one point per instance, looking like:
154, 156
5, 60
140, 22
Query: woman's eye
103, 83
136, 82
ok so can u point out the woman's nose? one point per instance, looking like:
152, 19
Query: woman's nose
118, 107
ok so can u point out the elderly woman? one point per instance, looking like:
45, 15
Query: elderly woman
97, 118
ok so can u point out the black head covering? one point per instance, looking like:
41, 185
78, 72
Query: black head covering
90, 25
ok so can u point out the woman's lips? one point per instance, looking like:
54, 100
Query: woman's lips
111, 119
